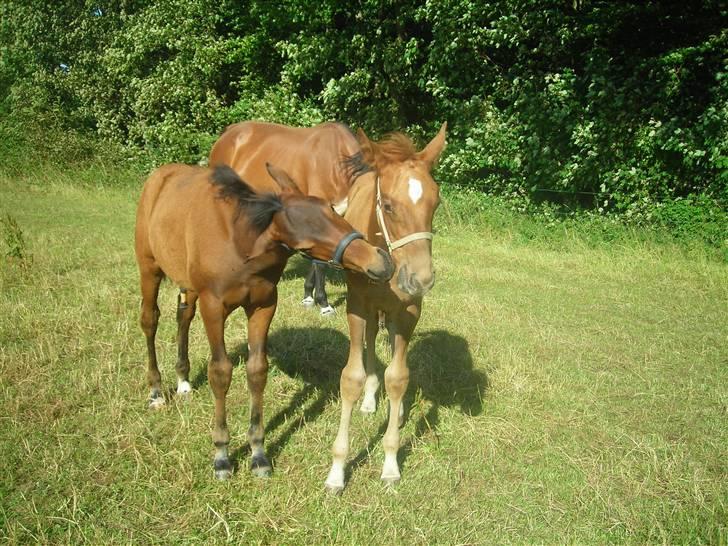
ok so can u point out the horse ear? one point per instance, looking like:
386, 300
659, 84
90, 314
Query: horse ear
367, 147
263, 244
431, 153
281, 177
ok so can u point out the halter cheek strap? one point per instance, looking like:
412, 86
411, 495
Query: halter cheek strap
394, 245
335, 260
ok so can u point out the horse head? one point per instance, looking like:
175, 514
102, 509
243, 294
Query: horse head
406, 199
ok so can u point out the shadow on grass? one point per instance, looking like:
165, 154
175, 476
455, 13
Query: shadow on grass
442, 374
315, 355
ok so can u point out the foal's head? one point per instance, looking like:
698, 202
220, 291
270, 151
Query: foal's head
407, 198
309, 225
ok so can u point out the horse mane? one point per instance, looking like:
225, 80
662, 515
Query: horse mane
392, 148
354, 166
259, 208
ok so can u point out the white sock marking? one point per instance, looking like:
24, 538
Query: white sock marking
415, 190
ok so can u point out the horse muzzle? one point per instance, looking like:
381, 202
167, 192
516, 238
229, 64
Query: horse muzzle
382, 271
415, 284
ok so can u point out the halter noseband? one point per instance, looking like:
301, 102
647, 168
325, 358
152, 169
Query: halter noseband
335, 260
394, 245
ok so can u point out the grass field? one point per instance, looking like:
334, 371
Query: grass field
561, 393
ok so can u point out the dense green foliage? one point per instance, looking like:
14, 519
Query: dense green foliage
610, 105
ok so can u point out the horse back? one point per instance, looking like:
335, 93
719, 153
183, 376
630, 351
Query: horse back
311, 156
181, 224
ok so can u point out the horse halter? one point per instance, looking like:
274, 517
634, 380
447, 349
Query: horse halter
335, 260
394, 245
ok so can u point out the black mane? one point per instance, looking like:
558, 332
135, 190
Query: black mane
259, 208
355, 166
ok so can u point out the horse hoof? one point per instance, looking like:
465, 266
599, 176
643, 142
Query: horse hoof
390, 480
328, 310
184, 387
157, 403
307, 301
260, 467
223, 469
334, 489
223, 475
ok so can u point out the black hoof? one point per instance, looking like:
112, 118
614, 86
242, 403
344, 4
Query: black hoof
223, 469
260, 467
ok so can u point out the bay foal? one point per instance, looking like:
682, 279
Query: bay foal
393, 206
227, 245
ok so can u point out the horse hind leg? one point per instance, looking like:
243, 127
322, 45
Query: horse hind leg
150, 280
186, 305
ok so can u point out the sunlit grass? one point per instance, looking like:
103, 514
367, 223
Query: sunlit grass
561, 392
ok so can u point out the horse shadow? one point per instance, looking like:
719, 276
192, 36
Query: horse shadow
441, 373
316, 356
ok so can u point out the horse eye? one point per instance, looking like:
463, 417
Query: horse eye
388, 208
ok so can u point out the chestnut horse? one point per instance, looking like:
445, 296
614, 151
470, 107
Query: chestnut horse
226, 245
312, 156
393, 206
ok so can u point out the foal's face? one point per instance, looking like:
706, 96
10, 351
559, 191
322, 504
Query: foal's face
310, 225
409, 199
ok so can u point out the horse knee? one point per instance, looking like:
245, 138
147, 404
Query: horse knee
149, 319
352, 382
219, 374
396, 382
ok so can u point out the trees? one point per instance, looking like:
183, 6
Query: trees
621, 101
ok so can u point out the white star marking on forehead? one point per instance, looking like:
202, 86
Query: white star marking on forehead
415, 190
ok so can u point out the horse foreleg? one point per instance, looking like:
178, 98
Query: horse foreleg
353, 377
371, 385
259, 320
396, 379
185, 314
150, 280
219, 375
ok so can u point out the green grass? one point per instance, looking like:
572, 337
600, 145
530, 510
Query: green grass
561, 392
